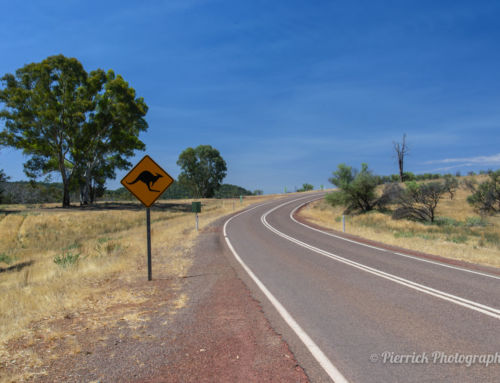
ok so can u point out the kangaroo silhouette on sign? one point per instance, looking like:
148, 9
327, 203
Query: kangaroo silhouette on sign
148, 179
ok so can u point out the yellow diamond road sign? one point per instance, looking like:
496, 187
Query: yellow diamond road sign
147, 181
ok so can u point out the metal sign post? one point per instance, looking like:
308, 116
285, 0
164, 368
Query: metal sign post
148, 232
147, 181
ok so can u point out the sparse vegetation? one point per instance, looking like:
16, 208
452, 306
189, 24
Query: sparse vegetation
306, 187
486, 197
457, 231
68, 258
54, 261
418, 201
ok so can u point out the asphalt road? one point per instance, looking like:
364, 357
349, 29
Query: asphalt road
355, 313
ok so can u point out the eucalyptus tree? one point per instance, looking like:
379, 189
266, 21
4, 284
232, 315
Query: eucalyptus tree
203, 170
71, 121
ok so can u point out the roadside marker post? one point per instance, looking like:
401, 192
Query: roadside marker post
147, 181
196, 208
343, 223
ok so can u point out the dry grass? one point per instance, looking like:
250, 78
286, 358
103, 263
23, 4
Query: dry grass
105, 245
459, 234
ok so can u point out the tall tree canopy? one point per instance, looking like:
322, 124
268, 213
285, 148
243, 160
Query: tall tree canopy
83, 125
203, 170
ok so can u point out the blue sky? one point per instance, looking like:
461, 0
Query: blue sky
286, 90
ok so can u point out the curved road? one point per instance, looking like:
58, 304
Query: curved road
356, 313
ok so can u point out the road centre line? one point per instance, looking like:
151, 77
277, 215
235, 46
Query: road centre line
313, 348
487, 310
385, 250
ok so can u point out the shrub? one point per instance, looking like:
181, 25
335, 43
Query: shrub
356, 189
67, 259
306, 187
5, 258
486, 197
419, 201
474, 221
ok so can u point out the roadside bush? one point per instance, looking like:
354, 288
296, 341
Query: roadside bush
306, 187
486, 196
419, 201
356, 189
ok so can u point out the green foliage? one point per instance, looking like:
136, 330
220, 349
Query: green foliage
409, 176
493, 238
203, 170
474, 221
67, 259
176, 191
486, 196
458, 238
419, 200
258, 192
447, 221
5, 258
80, 124
23, 192
404, 234
231, 191
356, 189
306, 187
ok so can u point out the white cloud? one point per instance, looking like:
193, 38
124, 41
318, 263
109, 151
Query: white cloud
469, 161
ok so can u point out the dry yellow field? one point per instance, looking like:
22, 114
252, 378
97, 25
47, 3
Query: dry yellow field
460, 233
54, 262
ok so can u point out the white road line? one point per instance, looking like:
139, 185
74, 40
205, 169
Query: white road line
313, 348
487, 310
388, 251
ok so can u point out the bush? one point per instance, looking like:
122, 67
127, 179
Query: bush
306, 187
486, 197
5, 258
419, 201
356, 189
67, 259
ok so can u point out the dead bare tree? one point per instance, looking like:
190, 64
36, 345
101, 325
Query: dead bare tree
401, 150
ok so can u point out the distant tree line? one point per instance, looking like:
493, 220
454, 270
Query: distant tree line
26, 192
30, 192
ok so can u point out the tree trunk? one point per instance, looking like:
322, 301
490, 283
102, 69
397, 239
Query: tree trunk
66, 200
65, 180
84, 193
401, 175
85, 189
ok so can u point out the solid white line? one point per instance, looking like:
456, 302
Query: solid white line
388, 251
313, 348
487, 310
